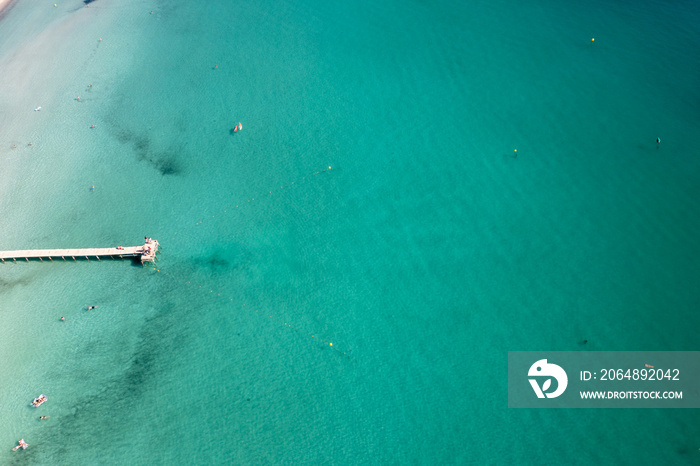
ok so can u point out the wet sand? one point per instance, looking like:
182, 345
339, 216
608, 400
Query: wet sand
5, 6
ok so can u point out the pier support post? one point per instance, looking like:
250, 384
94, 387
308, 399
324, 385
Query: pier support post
147, 253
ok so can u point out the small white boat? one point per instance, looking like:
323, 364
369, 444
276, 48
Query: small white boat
22, 444
240, 126
38, 109
39, 400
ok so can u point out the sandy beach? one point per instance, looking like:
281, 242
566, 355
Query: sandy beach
4, 5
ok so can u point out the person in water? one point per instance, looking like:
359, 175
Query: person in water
63, 319
658, 140
43, 417
90, 308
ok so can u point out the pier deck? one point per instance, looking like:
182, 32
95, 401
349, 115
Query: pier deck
147, 253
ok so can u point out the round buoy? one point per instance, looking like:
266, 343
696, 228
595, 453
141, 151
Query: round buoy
593, 39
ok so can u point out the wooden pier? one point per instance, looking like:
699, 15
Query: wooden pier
147, 253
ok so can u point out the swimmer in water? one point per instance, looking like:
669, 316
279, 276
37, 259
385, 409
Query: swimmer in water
658, 140
63, 319
43, 417
91, 308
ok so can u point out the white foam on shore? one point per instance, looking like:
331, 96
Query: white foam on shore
3, 4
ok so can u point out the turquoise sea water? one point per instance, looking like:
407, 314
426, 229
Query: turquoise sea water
425, 254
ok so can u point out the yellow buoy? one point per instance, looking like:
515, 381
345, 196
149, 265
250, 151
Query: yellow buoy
593, 39
331, 344
329, 168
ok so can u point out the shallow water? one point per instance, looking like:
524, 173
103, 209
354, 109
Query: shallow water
425, 253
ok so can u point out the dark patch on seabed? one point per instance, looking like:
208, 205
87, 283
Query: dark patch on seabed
165, 162
7, 285
159, 338
214, 262
160, 341
29, 456
88, 1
